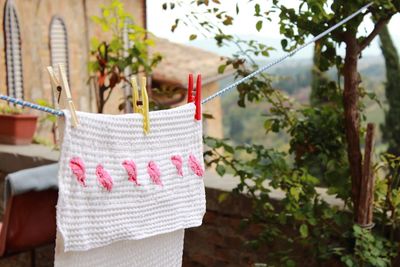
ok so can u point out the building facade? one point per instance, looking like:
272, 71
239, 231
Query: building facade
39, 33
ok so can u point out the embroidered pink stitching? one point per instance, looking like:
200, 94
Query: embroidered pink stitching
131, 169
154, 173
78, 169
177, 161
104, 177
195, 165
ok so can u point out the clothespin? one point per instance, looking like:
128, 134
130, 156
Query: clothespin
64, 93
190, 89
55, 83
141, 106
197, 100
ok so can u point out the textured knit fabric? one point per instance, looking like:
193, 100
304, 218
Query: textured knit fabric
99, 201
163, 250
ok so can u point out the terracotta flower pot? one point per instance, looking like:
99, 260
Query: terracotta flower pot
17, 129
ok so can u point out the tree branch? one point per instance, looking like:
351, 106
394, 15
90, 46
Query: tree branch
109, 94
377, 29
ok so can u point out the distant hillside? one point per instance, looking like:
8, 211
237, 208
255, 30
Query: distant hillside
294, 77
372, 50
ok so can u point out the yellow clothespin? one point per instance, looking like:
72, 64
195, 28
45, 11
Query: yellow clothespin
142, 106
64, 97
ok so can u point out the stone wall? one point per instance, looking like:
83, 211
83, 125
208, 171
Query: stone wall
220, 241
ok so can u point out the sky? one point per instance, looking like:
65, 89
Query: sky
160, 22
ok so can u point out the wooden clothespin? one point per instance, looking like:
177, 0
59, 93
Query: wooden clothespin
141, 106
197, 100
64, 98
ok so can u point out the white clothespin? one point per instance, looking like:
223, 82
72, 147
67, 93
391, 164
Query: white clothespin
64, 98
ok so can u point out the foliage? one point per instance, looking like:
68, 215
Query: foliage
10, 110
47, 116
303, 219
324, 139
369, 248
391, 128
320, 82
46, 121
113, 57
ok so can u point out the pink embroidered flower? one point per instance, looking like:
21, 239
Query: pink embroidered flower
104, 177
177, 161
154, 173
130, 168
195, 165
78, 169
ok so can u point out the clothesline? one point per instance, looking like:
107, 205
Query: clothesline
223, 90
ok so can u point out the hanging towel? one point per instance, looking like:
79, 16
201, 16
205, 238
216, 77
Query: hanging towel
120, 186
163, 250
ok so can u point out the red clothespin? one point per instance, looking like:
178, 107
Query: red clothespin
190, 89
197, 100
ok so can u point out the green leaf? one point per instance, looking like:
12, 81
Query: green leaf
229, 149
173, 27
295, 192
290, 263
267, 125
192, 37
220, 170
94, 43
222, 197
259, 25
221, 69
208, 116
237, 8
303, 230
228, 20
257, 10
284, 43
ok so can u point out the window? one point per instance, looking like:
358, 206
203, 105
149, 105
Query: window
12, 36
59, 44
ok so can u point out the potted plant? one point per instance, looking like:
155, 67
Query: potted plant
16, 127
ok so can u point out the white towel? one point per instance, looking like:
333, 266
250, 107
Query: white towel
93, 214
163, 250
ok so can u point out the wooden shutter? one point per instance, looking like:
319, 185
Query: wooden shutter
59, 44
12, 34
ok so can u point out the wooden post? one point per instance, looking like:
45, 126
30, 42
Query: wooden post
365, 209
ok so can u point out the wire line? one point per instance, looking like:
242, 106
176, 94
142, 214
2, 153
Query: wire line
220, 92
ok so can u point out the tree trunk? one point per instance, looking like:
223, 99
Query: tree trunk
366, 202
352, 121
